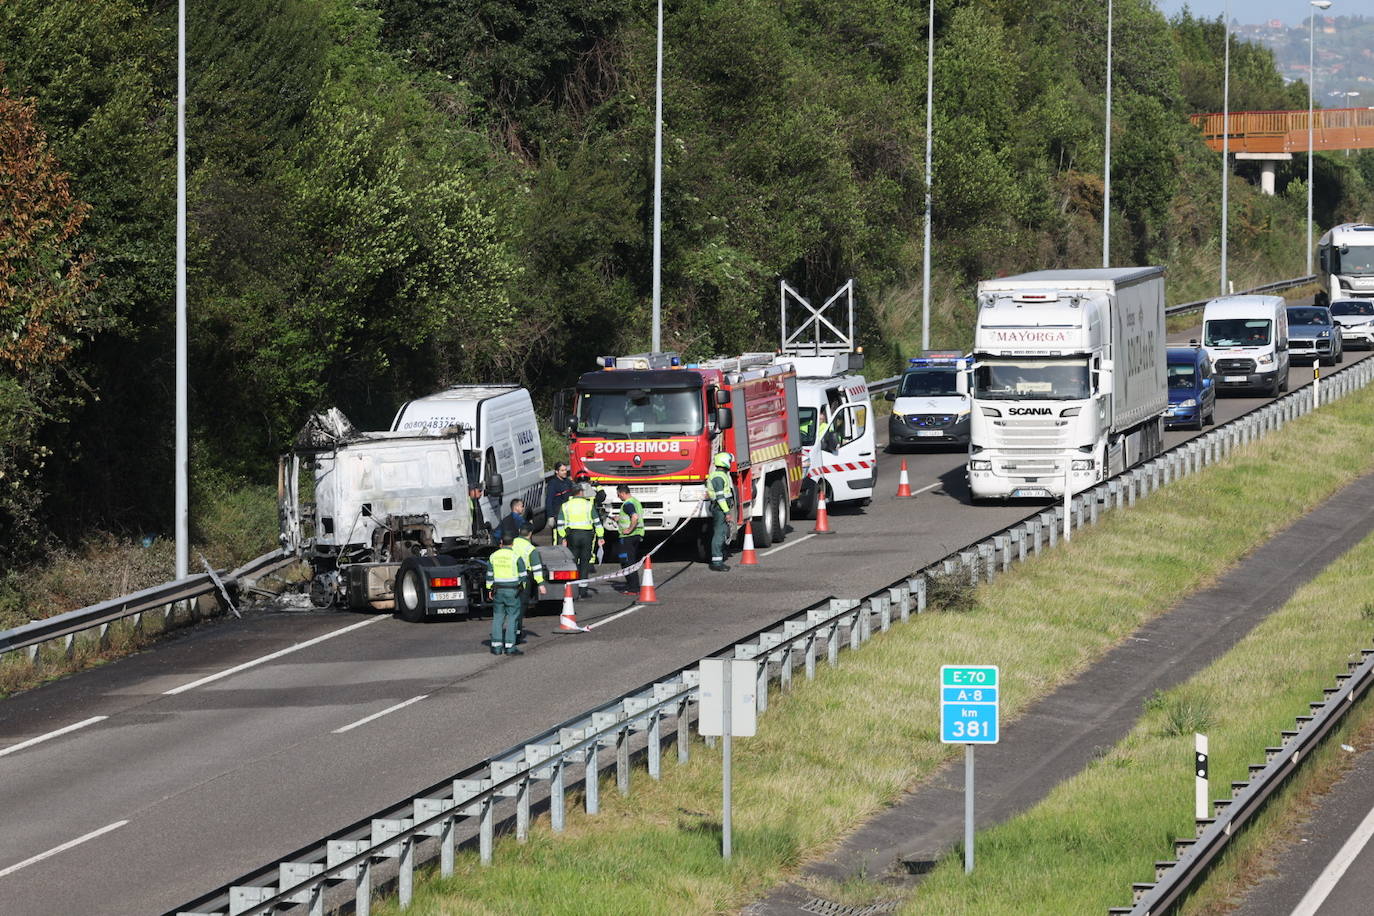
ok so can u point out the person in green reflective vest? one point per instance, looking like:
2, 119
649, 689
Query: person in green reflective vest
720, 495
534, 565
629, 522
579, 528
507, 578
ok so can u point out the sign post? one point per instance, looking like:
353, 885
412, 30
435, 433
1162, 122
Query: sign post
969, 713
729, 708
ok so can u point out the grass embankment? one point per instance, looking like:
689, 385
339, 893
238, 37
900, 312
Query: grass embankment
833, 752
1080, 849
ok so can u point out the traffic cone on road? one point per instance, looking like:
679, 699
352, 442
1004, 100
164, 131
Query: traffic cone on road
567, 620
904, 483
647, 593
748, 557
822, 514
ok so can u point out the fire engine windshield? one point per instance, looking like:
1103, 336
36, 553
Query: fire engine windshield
1031, 379
639, 412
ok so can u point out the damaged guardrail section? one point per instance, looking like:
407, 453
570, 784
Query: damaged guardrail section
576, 750
1175, 879
63, 629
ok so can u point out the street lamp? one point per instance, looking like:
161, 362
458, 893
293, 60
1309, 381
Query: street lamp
1107, 155
1226, 147
925, 247
181, 523
1311, 78
658, 188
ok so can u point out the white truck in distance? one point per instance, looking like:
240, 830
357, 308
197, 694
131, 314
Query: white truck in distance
1069, 380
1345, 254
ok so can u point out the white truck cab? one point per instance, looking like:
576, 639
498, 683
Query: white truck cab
501, 443
844, 458
1247, 339
1346, 257
927, 407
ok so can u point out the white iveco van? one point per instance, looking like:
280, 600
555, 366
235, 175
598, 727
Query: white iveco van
1247, 339
501, 446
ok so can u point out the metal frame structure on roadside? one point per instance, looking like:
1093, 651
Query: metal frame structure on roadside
471, 796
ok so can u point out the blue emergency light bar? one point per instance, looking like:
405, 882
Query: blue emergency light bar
933, 358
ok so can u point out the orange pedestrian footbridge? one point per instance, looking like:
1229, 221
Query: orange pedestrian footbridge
1271, 132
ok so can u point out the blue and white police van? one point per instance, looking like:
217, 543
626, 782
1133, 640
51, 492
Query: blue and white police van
927, 408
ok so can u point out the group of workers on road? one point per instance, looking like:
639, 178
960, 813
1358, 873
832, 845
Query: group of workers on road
515, 572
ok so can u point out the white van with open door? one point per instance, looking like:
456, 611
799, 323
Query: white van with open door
844, 460
501, 444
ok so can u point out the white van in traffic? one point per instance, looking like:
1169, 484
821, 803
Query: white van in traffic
1247, 339
845, 459
501, 443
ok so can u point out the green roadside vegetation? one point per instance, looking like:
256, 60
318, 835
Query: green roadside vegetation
1079, 850
835, 751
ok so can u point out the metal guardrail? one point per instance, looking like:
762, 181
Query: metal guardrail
549, 758
1278, 286
65, 627
1175, 879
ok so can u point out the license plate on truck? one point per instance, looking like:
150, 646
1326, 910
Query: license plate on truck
1030, 493
446, 596
1234, 378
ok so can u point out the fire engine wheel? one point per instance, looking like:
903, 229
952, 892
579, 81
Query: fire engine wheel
412, 596
784, 513
774, 511
763, 527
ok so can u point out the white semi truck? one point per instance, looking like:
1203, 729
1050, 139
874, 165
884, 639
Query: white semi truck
1346, 257
1069, 380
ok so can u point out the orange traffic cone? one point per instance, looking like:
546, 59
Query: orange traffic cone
567, 620
822, 514
904, 483
748, 557
647, 593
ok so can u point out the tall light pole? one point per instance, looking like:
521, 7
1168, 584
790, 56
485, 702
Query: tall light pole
925, 247
1311, 78
658, 188
182, 522
1107, 155
1225, 147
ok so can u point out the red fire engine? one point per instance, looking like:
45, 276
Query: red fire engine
653, 423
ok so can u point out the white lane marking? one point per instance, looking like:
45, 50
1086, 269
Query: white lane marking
805, 537
628, 610
929, 486
61, 731
269, 657
63, 848
377, 715
1331, 876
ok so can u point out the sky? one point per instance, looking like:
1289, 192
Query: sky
1249, 12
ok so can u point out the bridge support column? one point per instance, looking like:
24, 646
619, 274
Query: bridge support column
1269, 164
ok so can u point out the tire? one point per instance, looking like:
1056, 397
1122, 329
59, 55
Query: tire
1340, 355
412, 597
763, 531
775, 511
784, 515
805, 508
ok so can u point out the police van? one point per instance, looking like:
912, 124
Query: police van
927, 408
842, 456
501, 446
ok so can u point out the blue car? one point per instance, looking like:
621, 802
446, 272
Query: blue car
1192, 391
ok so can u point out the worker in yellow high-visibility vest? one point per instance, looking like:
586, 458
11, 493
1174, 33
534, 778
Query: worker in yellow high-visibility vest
506, 578
534, 565
579, 528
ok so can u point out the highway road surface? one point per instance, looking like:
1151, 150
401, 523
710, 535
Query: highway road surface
140, 785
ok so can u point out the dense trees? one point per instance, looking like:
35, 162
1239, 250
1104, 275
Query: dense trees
389, 195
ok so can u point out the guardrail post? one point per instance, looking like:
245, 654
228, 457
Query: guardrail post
622, 760
885, 611
1001, 548
362, 892
1055, 515
809, 657
446, 851
900, 596
832, 647
918, 588
405, 878
655, 740
866, 621
854, 634
987, 564
1037, 530
969, 560
591, 778
1094, 506
760, 683
684, 735
1018, 542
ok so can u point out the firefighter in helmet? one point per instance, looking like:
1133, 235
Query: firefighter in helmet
720, 496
